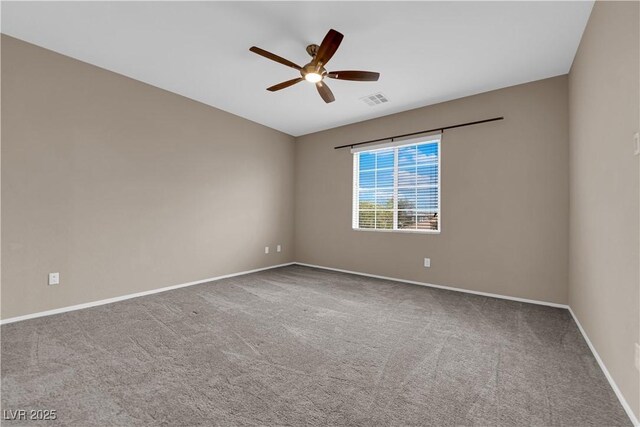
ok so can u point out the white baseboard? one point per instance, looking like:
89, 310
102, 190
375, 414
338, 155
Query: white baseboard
129, 296
430, 285
613, 384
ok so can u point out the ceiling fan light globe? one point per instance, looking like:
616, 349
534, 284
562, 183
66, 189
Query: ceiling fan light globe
313, 77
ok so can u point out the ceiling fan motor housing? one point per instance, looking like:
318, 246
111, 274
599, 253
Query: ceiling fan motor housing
312, 49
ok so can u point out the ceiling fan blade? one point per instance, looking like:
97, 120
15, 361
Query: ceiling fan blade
274, 57
359, 76
284, 84
325, 92
328, 47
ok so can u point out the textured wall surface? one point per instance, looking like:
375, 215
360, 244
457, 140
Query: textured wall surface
122, 187
504, 197
604, 101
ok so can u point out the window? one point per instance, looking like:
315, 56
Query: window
396, 186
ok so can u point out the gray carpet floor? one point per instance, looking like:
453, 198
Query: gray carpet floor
301, 346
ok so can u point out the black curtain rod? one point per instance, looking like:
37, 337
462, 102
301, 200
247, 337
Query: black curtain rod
441, 129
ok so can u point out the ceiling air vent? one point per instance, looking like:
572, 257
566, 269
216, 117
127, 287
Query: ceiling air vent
375, 99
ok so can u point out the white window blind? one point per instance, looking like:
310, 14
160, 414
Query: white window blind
396, 186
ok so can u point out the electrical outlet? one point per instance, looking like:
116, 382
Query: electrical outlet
427, 262
638, 356
278, 248
636, 144
54, 278
266, 249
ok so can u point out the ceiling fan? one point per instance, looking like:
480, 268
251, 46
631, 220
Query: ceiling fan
314, 71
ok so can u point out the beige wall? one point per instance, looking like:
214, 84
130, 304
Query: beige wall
604, 95
122, 187
504, 197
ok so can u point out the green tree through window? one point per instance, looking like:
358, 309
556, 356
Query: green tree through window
398, 188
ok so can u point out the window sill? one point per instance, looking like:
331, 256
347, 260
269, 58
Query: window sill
397, 231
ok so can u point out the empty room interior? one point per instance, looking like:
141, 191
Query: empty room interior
337, 213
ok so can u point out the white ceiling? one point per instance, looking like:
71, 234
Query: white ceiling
426, 52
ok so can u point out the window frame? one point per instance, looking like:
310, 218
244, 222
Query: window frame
355, 209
